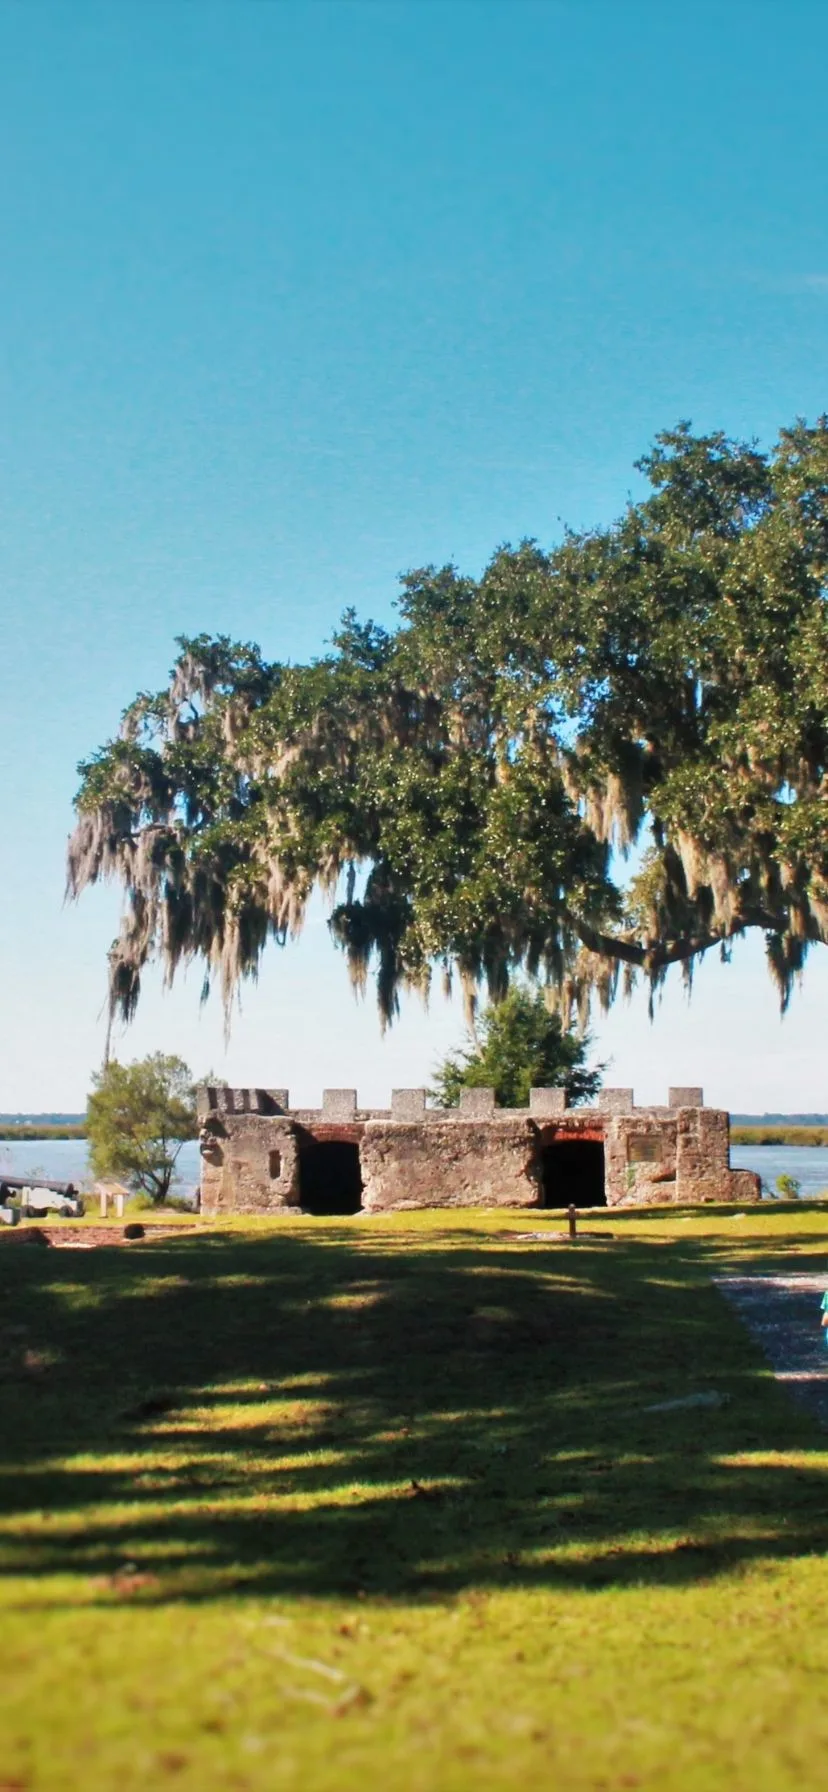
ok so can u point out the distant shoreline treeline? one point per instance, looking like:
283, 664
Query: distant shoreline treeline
27, 1130
755, 1134
779, 1135
752, 1120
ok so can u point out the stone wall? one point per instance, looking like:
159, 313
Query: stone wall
640, 1159
449, 1163
702, 1155
654, 1156
473, 1156
250, 1164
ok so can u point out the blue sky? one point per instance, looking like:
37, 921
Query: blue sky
294, 296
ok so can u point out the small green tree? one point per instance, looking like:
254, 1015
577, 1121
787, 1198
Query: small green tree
788, 1187
138, 1117
518, 1044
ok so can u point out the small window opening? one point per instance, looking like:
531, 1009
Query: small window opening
275, 1165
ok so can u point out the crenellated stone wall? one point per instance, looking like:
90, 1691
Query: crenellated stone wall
254, 1146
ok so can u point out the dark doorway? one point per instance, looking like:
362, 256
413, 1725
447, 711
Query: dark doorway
330, 1179
572, 1173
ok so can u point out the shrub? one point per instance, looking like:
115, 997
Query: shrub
138, 1117
517, 1044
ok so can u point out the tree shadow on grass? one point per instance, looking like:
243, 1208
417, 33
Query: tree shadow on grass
342, 1410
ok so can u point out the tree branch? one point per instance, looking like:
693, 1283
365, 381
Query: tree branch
663, 953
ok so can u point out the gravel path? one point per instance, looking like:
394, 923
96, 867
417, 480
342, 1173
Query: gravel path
783, 1314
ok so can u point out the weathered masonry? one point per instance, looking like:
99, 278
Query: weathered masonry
259, 1155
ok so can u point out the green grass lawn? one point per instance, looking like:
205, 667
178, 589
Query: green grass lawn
318, 1504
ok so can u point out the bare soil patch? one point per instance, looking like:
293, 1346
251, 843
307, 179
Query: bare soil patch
86, 1238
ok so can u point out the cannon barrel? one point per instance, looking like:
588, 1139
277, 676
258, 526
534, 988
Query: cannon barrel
55, 1188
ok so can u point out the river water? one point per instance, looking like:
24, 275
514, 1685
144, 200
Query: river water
808, 1164
65, 1160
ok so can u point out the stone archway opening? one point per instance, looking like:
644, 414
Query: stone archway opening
572, 1171
330, 1176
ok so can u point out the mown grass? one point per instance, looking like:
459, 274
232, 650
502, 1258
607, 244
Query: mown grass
293, 1505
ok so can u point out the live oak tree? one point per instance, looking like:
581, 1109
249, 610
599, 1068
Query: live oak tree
515, 1045
465, 786
137, 1119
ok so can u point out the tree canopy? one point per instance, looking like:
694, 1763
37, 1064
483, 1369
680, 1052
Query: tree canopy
518, 1044
137, 1119
464, 786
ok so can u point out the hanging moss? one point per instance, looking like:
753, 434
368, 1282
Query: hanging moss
464, 789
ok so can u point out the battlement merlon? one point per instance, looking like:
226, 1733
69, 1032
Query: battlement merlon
342, 1106
219, 1098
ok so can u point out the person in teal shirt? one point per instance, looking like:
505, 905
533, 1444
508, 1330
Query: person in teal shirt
825, 1315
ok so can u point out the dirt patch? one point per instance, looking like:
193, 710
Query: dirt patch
87, 1238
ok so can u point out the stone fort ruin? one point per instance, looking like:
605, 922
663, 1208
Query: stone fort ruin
259, 1155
